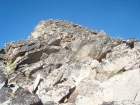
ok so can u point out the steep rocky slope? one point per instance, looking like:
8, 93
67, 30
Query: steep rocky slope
62, 63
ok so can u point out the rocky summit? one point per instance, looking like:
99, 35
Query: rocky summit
62, 63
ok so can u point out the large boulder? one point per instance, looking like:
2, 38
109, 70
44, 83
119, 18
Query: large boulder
120, 59
122, 87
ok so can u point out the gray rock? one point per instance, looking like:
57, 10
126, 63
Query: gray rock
122, 87
3, 68
56, 28
3, 80
26, 52
30, 99
127, 102
131, 41
87, 92
50, 103
20, 92
72, 34
77, 66
5, 94
108, 103
60, 93
121, 58
2, 54
137, 45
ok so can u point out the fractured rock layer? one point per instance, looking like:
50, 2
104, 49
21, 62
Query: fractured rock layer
62, 63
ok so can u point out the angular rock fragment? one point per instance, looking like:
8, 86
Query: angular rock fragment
3, 80
2, 54
19, 91
60, 93
87, 92
30, 99
37, 80
137, 45
131, 41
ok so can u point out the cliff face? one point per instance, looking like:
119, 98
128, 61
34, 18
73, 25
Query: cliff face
62, 63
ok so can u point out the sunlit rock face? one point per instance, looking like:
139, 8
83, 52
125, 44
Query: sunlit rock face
62, 63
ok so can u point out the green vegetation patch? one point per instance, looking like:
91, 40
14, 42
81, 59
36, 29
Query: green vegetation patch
120, 72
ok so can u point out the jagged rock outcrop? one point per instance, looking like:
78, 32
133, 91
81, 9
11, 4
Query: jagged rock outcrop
121, 58
62, 63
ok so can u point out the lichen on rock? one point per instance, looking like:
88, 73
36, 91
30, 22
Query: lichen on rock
62, 63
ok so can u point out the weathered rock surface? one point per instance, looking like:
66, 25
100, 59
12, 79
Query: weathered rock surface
121, 58
3, 80
118, 88
5, 94
62, 63
130, 102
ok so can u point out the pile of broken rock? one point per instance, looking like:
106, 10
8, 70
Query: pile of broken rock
62, 63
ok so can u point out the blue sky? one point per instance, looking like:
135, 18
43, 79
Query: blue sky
118, 18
